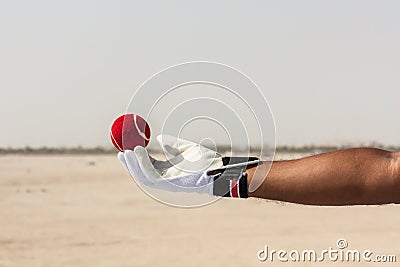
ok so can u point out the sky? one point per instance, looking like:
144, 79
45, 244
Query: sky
329, 69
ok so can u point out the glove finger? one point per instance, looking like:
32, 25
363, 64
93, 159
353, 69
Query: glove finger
134, 169
145, 165
150, 173
173, 145
172, 184
121, 159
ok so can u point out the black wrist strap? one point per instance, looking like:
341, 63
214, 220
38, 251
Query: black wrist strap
232, 182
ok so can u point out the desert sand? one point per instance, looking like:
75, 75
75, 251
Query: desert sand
87, 211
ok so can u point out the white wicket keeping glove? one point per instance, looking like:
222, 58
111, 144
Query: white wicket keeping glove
189, 169
185, 172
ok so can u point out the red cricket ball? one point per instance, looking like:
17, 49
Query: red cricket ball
129, 131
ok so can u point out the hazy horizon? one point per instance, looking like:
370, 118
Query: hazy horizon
330, 70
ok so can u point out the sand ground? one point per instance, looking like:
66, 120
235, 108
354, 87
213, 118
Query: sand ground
87, 211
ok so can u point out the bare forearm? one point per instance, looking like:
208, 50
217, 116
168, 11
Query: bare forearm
344, 177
